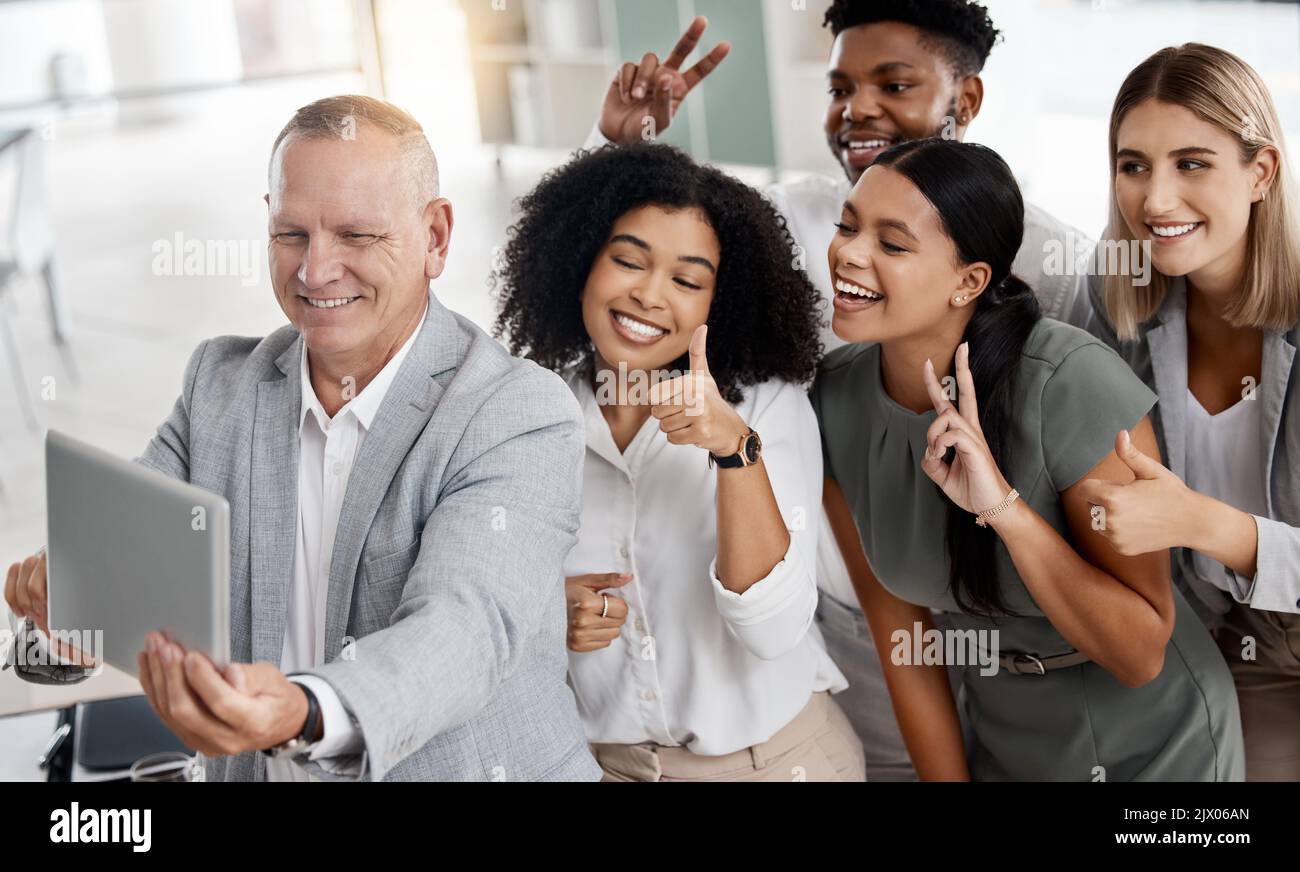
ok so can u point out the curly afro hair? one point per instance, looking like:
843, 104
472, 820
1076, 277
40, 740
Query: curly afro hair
961, 29
763, 319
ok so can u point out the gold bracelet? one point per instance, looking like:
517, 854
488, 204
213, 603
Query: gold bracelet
983, 518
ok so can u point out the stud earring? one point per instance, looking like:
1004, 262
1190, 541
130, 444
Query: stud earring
959, 299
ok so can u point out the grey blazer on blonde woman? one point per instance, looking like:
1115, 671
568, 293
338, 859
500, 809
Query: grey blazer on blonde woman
1159, 357
447, 566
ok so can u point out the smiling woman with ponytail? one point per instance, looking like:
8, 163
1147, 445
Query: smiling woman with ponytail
957, 429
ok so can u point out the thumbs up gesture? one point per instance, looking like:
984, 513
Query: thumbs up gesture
1150, 513
691, 410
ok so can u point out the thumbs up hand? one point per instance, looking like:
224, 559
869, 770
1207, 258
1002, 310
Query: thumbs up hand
1149, 513
1144, 468
691, 410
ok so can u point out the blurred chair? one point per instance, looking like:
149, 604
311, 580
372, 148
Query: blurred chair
30, 251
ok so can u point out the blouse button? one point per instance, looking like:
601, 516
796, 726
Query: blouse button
648, 695
622, 551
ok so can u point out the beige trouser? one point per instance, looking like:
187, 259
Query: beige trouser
1268, 689
818, 745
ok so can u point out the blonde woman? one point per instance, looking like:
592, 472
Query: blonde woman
1199, 175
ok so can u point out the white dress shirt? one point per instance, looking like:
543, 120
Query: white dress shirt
696, 664
327, 450
1224, 461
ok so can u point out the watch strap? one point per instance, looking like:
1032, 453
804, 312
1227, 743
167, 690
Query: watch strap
299, 743
308, 733
736, 460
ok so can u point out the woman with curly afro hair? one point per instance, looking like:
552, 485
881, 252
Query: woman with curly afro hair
671, 298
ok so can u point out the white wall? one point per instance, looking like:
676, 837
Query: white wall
34, 31
156, 44
1051, 82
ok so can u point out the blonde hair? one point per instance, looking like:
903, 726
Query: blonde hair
1222, 89
337, 118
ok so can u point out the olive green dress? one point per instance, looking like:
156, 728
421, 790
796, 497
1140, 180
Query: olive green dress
1071, 395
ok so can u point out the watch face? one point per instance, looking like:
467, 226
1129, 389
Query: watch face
752, 446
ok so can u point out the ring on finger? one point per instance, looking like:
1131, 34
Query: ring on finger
604, 612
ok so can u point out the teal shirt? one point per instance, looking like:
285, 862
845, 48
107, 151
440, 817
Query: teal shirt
1070, 397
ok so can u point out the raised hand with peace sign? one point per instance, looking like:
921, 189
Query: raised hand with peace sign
654, 90
972, 480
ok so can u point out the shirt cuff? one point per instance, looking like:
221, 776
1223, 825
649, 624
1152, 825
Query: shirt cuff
11, 636
773, 614
341, 736
1281, 590
595, 139
1240, 587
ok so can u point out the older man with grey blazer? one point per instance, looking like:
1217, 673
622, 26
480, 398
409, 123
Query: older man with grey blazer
403, 493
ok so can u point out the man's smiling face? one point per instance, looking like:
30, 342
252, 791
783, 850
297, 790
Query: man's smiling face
349, 246
888, 83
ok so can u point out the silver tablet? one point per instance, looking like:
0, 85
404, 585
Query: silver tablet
131, 551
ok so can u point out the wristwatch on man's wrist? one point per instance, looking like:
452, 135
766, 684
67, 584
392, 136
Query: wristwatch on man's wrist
747, 453
297, 746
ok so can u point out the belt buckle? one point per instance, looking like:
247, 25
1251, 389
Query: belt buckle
1037, 664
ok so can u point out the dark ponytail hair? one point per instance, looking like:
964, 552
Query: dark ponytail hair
979, 203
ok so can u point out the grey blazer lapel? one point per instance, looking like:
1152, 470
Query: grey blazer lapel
1167, 343
273, 512
402, 416
1275, 377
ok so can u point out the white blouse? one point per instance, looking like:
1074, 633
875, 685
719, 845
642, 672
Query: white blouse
696, 664
1224, 462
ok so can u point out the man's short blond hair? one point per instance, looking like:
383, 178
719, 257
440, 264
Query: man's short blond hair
340, 117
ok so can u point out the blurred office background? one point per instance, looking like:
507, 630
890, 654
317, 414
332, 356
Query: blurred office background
129, 128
